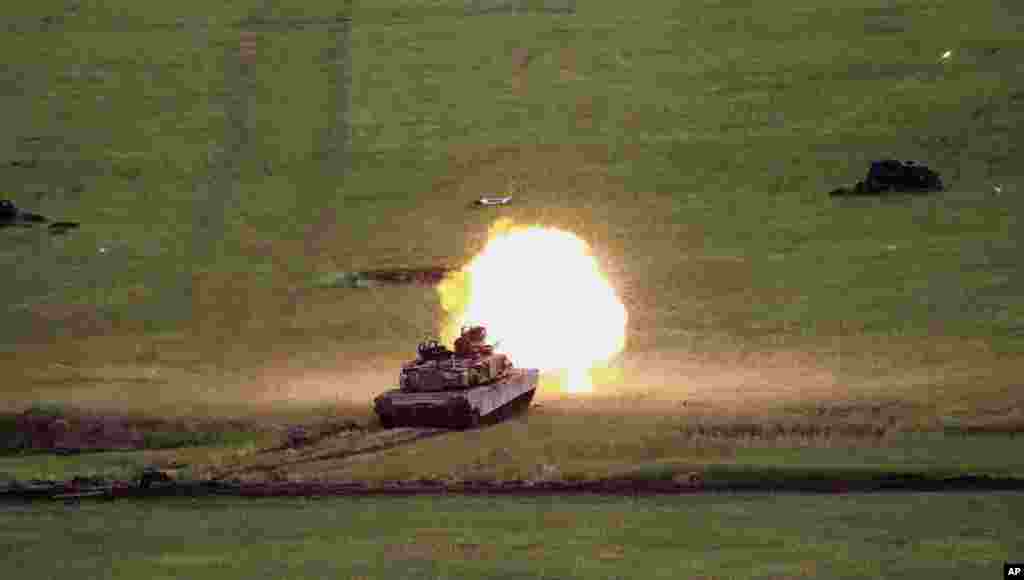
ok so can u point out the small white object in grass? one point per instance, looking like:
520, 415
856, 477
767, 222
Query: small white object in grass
493, 200
947, 54
103, 250
997, 189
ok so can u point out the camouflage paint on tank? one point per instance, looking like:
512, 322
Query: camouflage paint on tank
457, 388
453, 373
456, 408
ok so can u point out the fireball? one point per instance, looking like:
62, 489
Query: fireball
544, 300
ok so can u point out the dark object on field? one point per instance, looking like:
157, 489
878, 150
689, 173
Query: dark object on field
890, 175
62, 227
298, 436
423, 276
38, 430
456, 389
151, 475
12, 215
74, 432
375, 278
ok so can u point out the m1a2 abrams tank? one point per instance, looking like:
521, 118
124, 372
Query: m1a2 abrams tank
456, 389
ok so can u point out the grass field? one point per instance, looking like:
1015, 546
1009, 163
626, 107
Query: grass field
691, 144
774, 333
727, 537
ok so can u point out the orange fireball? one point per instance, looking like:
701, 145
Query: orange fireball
544, 300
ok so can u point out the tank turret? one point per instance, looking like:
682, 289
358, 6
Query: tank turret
472, 363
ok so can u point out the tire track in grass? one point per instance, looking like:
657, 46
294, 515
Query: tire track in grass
374, 442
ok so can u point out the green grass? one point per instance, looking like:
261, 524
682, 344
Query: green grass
691, 144
123, 465
752, 107
727, 536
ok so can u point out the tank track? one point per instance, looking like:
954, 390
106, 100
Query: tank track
456, 415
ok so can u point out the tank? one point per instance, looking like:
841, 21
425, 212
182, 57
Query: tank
456, 389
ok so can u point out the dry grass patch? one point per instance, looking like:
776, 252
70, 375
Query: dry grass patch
429, 547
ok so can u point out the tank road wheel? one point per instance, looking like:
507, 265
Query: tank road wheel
471, 420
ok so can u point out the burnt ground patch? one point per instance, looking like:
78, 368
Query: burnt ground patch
429, 276
67, 431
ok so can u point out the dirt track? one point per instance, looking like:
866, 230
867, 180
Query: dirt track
339, 447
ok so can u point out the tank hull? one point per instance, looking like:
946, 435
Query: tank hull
457, 408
